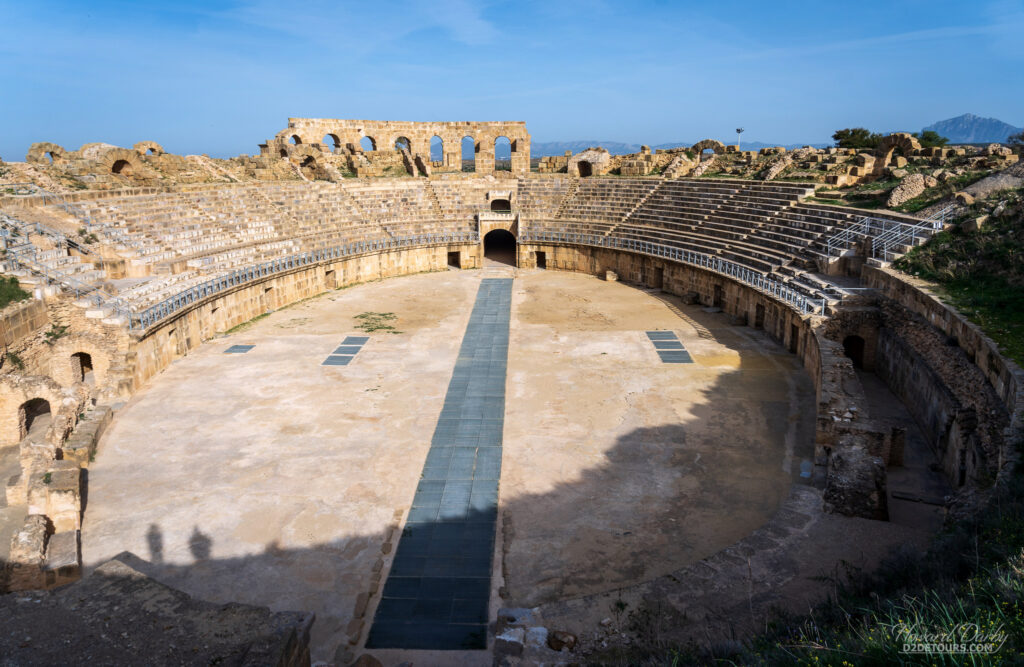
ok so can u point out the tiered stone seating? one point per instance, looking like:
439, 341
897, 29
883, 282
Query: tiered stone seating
185, 237
460, 201
539, 198
605, 200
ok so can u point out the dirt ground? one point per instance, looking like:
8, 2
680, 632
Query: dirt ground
269, 479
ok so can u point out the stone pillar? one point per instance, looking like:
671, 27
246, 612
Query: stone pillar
484, 155
521, 155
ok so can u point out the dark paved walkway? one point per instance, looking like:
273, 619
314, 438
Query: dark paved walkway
437, 593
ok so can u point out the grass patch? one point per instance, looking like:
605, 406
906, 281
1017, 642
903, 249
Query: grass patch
981, 274
370, 322
15, 360
11, 292
55, 333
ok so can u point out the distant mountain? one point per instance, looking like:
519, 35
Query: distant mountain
971, 129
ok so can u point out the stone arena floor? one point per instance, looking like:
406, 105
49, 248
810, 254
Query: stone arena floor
267, 478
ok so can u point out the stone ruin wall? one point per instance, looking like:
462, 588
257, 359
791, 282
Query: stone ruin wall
328, 136
968, 406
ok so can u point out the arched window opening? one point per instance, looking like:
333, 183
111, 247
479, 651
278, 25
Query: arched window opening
81, 368
503, 205
586, 169
49, 156
403, 142
284, 152
368, 144
468, 154
331, 142
296, 139
436, 149
502, 154
123, 167
35, 417
853, 347
500, 247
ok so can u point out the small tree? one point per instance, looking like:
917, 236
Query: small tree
856, 137
930, 139
1016, 140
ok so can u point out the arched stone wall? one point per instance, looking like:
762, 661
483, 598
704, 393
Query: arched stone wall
598, 160
143, 147
15, 391
385, 133
62, 368
705, 144
38, 153
903, 141
116, 155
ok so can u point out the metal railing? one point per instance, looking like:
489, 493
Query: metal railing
27, 258
781, 291
196, 293
887, 234
908, 235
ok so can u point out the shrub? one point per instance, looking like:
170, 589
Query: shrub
11, 292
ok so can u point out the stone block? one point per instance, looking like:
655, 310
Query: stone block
27, 555
611, 276
63, 496
63, 560
509, 643
855, 484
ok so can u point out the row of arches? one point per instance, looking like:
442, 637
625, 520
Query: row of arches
30, 407
469, 148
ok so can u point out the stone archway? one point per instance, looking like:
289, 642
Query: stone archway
45, 153
499, 248
144, 148
853, 347
901, 141
717, 146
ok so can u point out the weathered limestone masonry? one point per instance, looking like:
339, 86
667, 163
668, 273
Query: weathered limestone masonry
973, 396
329, 135
852, 448
162, 344
57, 363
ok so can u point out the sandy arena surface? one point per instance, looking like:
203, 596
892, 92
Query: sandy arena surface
269, 479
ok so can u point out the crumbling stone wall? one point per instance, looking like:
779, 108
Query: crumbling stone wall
347, 134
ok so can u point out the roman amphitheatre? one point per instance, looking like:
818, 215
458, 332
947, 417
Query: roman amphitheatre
366, 397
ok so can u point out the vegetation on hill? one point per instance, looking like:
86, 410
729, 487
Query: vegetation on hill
10, 291
859, 137
981, 272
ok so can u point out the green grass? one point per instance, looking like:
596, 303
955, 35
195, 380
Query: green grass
11, 292
370, 322
982, 275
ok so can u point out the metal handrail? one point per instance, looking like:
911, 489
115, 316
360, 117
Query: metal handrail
781, 291
887, 233
29, 260
238, 277
908, 234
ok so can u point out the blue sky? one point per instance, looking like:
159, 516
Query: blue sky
220, 77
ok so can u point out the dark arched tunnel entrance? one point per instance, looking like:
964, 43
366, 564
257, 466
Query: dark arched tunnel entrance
500, 248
